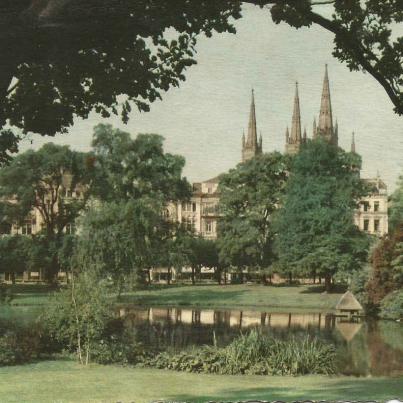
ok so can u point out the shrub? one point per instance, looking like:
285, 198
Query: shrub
255, 354
392, 306
19, 345
6, 295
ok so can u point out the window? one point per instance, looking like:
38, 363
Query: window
366, 225
193, 207
365, 206
68, 193
209, 208
209, 227
187, 206
28, 226
376, 225
376, 206
188, 223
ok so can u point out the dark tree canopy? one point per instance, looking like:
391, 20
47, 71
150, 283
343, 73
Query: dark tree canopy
65, 58
62, 59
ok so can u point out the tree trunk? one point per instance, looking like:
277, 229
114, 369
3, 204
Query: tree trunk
169, 276
328, 282
193, 276
149, 276
290, 278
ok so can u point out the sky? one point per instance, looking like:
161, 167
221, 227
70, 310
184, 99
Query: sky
204, 118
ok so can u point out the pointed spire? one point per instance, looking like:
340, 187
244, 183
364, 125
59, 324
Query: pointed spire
252, 131
353, 143
250, 146
314, 128
296, 119
287, 136
260, 142
325, 125
243, 138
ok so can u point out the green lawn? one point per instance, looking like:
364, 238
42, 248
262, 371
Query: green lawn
66, 381
30, 294
280, 298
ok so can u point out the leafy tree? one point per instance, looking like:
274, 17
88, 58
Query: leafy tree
66, 58
316, 231
133, 168
250, 194
387, 263
198, 252
119, 239
128, 230
78, 317
44, 181
396, 206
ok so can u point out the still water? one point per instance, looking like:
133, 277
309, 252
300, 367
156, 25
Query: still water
364, 348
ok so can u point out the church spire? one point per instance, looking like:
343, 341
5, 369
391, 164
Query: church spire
252, 131
251, 147
296, 119
325, 125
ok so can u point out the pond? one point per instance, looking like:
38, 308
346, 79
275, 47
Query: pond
364, 347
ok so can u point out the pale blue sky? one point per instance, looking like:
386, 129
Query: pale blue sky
203, 120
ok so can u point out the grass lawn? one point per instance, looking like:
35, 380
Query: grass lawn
279, 298
66, 381
30, 294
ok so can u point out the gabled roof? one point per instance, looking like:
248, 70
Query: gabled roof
349, 303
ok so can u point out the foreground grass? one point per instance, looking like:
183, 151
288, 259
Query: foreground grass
66, 381
281, 298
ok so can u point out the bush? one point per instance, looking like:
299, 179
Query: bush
392, 306
254, 354
6, 295
20, 345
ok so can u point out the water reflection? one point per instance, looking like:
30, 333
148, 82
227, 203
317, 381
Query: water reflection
364, 348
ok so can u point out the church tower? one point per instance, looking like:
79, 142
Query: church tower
294, 140
325, 127
250, 145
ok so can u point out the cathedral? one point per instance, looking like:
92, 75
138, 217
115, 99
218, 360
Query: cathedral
201, 213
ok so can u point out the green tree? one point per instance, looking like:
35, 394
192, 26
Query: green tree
44, 181
78, 317
129, 168
66, 58
197, 253
128, 230
315, 225
249, 195
396, 206
122, 239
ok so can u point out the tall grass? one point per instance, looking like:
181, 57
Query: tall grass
256, 354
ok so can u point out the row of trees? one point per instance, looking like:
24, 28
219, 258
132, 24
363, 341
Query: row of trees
290, 215
294, 215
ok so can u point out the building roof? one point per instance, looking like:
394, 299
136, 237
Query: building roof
348, 303
216, 179
376, 182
